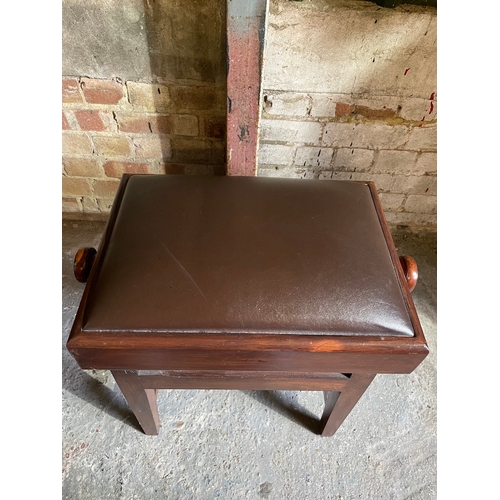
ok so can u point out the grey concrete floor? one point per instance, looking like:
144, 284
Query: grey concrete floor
250, 444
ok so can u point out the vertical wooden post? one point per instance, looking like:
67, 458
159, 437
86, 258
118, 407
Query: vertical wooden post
246, 28
339, 404
142, 401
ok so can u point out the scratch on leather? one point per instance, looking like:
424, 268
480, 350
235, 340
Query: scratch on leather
184, 270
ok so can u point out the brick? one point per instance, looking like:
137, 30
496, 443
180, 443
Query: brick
275, 154
307, 172
82, 167
134, 123
395, 161
105, 204
342, 109
291, 131
287, 104
413, 184
183, 169
156, 167
65, 123
199, 170
186, 125
426, 163
140, 123
154, 146
391, 202
70, 205
376, 107
418, 109
214, 127
377, 113
285, 171
353, 159
323, 105
172, 168
421, 204
71, 91
191, 150
154, 97
70, 118
89, 119
105, 188
192, 98
422, 138
74, 143
328, 175
118, 168
90, 205
340, 135
365, 135
112, 146
75, 187
411, 219
313, 156
102, 91
219, 152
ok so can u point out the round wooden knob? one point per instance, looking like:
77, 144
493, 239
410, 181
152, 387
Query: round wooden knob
410, 270
84, 259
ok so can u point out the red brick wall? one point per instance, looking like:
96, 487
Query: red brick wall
111, 127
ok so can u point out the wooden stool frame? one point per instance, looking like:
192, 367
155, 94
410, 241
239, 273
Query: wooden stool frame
341, 366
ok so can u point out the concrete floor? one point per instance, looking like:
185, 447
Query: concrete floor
250, 444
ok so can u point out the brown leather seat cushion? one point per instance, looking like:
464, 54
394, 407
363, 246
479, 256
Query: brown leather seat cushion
246, 254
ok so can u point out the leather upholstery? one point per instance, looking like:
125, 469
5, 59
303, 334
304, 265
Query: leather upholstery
247, 254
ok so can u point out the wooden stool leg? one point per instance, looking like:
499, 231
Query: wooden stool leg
339, 404
141, 401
